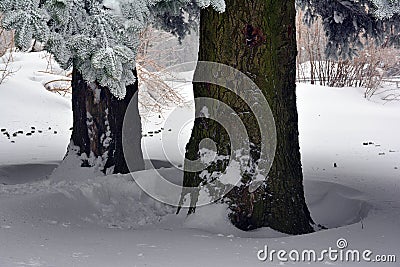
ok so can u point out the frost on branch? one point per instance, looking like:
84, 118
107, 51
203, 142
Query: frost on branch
98, 37
218, 5
27, 18
386, 8
348, 22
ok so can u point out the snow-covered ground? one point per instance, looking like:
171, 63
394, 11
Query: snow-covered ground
109, 221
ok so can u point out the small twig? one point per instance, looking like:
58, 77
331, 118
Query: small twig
57, 80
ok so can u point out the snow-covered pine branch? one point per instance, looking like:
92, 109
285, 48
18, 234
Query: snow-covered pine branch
386, 8
98, 37
347, 22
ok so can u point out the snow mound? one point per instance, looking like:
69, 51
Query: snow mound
117, 200
113, 201
333, 205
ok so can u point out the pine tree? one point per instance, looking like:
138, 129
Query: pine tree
99, 39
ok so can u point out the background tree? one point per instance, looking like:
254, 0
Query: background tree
259, 39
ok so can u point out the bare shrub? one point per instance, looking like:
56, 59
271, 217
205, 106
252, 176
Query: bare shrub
6, 53
366, 70
151, 63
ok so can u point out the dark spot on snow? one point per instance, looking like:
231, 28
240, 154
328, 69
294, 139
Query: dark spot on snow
368, 143
13, 142
28, 134
49, 128
33, 128
71, 128
144, 135
150, 132
55, 132
3, 130
334, 165
40, 131
15, 134
20, 132
169, 130
381, 153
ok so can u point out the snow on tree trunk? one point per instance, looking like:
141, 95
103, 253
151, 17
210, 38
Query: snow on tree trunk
97, 126
259, 39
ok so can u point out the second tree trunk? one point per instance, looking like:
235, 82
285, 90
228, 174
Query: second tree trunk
257, 37
98, 118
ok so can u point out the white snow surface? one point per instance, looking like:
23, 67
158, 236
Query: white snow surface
71, 217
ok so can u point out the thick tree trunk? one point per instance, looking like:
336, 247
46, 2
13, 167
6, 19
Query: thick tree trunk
257, 37
97, 126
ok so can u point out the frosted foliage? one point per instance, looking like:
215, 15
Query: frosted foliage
348, 22
386, 8
98, 37
218, 5
28, 18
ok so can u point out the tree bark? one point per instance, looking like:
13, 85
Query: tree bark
98, 118
257, 37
